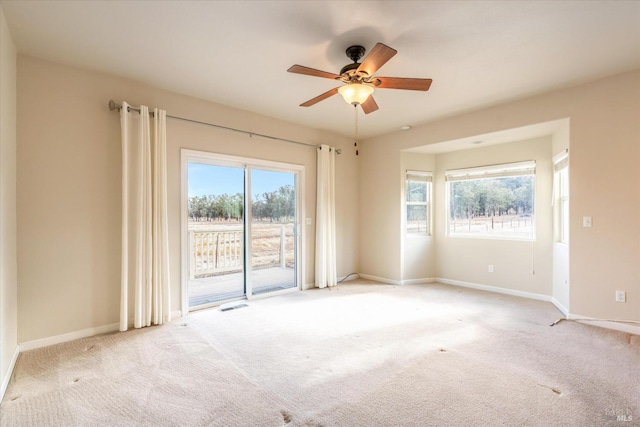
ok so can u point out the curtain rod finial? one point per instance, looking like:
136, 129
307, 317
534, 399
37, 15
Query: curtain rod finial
112, 105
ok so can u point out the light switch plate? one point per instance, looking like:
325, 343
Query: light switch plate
586, 221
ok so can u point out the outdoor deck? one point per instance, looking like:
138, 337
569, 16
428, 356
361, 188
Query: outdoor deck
226, 286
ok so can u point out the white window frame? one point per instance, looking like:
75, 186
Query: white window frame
524, 168
561, 195
427, 178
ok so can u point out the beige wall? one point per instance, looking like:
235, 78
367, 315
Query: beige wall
381, 207
523, 266
8, 268
69, 188
605, 181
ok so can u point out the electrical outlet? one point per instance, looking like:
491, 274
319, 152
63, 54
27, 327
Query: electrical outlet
490, 268
621, 296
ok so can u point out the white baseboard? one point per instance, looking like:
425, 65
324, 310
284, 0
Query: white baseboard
380, 279
70, 336
417, 281
84, 333
9, 373
444, 281
384, 280
560, 307
397, 282
608, 324
495, 289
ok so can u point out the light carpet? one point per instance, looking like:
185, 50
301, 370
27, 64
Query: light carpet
359, 354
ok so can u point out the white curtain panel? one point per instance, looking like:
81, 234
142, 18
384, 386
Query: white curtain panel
145, 240
326, 219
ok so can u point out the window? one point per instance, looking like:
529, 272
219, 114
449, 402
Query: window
492, 201
561, 195
418, 201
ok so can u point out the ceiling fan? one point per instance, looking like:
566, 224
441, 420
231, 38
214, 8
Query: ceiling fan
359, 78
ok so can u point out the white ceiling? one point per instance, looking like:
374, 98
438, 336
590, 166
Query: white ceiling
236, 53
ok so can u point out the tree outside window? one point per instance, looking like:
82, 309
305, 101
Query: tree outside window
418, 200
495, 203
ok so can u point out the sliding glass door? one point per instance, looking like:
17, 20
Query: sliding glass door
236, 245
216, 232
273, 230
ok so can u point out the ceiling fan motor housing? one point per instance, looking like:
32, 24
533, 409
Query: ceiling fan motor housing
355, 52
349, 67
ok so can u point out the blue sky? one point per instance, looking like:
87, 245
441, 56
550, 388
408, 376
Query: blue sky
207, 179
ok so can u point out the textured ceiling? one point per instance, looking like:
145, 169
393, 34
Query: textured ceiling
236, 53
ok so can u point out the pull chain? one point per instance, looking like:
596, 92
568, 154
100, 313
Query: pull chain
355, 143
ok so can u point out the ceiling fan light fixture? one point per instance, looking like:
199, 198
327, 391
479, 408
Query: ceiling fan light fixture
359, 78
355, 93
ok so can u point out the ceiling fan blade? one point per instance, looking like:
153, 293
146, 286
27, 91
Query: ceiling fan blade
299, 69
319, 98
378, 56
369, 106
403, 83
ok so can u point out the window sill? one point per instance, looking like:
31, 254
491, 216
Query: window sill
510, 239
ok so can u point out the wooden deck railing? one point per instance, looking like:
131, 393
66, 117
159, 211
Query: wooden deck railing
216, 249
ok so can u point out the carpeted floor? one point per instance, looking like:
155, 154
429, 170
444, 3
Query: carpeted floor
359, 354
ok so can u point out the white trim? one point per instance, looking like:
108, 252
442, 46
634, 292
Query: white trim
398, 282
247, 231
7, 376
70, 336
494, 289
501, 170
560, 307
184, 231
301, 214
564, 154
380, 279
421, 176
618, 326
417, 281
216, 159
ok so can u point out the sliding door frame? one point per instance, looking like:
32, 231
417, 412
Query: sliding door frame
194, 156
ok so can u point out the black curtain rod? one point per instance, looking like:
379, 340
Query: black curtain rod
113, 106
